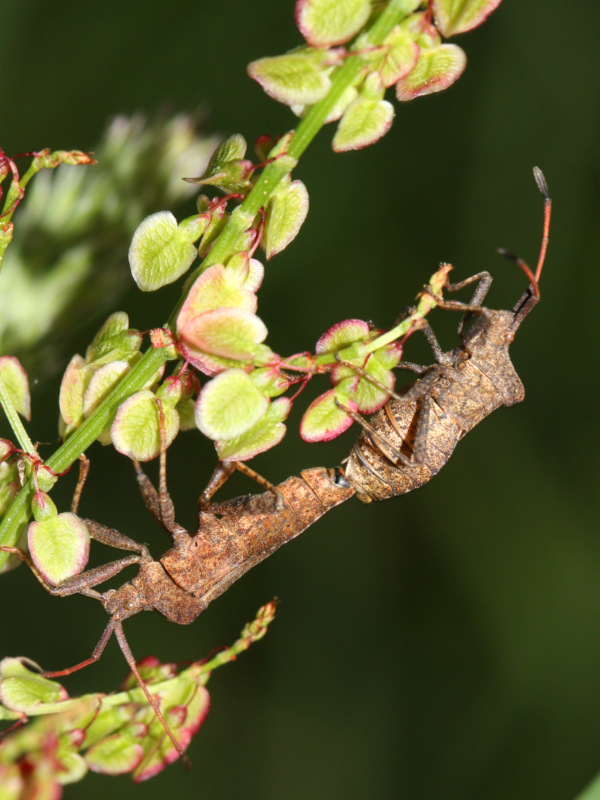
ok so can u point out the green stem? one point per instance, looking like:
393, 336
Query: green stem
342, 78
15, 420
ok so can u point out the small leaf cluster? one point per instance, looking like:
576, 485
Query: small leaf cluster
411, 57
111, 734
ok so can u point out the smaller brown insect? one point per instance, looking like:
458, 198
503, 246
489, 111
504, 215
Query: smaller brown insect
231, 538
406, 443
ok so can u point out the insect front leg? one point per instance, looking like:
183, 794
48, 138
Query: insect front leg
77, 584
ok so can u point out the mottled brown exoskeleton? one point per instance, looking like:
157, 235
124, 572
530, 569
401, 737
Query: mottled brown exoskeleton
406, 443
231, 538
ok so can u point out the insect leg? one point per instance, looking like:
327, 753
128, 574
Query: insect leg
222, 473
84, 468
159, 504
77, 584
126, 650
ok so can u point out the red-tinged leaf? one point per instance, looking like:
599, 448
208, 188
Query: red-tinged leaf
217, 287
23, 690
72, 388
59, 546
285, 214
341, 335
458, 16
226, 332
324, 23
401, 55
207, 364
323, 420
297, 78
436, 70
17, 384
364, 122
114, 755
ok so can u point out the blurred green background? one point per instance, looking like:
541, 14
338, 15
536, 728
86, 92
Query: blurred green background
442, 644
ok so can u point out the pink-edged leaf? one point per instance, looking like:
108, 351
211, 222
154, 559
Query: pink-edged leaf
364, 122
135, 431
285, 214
324, 23
226, 332
72, 388
205, 363
184, 718
368, 397
323, 420
217, 287
267, 433
458, 16
101, 383
229, 405
114, 755
17, 384
436, 70
270, 380
296, 78
59, 546
341, 335
401, 55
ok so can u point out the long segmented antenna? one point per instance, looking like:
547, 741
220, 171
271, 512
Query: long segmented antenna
534, 279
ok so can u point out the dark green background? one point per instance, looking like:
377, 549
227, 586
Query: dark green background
442, 644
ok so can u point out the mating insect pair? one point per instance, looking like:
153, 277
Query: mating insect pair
402, 447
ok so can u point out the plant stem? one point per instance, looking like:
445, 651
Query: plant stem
15, 421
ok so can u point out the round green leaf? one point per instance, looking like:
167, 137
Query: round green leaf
401, 55
72, 388
229, 405
59, 546
267, 432
436, 69
341, 335
135, 431
285, 215
328, 22
296, 79
364, 122
160, 252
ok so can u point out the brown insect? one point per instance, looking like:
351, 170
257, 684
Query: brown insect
231, 538
406, 443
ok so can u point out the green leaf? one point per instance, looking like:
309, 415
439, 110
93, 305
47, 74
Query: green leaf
229, 405
160, 252
401, 55
323, 420
364, 122
285, 213
296, 79
72, 388
17, 385
458, 16
114, 755
341, 335
135, 431
267, 432
436, 69
23, 690
328, 22
226, 332
59, 546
